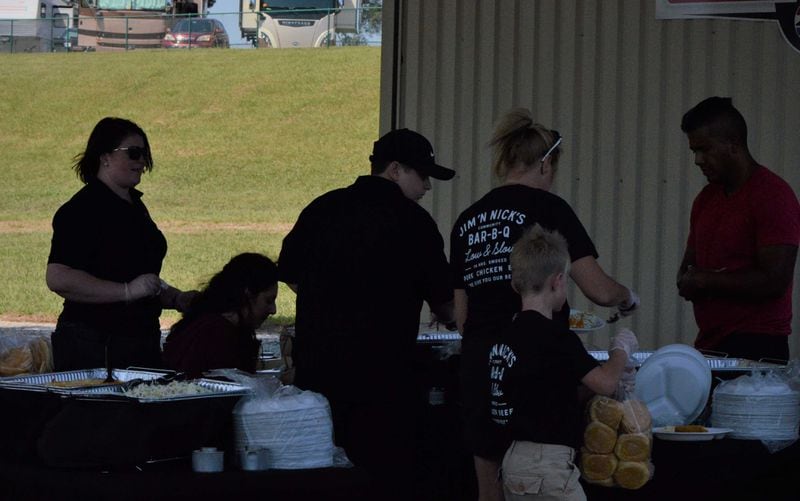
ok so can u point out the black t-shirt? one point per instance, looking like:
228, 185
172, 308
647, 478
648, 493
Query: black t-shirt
481, 242
98, 232
364, 259
534, 370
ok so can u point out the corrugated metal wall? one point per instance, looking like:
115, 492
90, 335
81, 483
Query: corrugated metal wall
615, 82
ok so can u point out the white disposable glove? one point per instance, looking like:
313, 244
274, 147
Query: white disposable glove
142, 286
627, 307
626, 341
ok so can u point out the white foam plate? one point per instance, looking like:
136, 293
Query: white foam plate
674, 383
664, 433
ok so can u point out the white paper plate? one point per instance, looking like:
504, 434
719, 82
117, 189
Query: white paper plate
674, 383
590, 322
664, 433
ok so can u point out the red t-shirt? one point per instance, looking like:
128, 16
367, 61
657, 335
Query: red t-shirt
726, 232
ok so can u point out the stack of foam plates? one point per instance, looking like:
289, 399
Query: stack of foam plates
757, 408
295, 428
674, 383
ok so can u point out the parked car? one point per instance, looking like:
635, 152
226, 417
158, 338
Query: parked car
196, 33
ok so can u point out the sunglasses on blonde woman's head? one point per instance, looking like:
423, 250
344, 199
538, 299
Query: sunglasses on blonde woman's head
134, 152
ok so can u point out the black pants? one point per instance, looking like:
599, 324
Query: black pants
755, 346
78, 346
379, 437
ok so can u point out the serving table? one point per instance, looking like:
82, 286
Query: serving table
177, 481
725, 469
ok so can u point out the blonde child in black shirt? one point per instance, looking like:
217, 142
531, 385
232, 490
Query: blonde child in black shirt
535, 368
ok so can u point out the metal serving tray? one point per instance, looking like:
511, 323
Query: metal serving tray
715, 364
639, 356
41, 383
739, 364
438, 337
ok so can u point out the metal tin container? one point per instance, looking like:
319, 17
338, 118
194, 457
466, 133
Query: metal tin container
639, 356
100, 427
438, 337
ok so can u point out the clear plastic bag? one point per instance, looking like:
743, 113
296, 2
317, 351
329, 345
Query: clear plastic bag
617, 440
25, 353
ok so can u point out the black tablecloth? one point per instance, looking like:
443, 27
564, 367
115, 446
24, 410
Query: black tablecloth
178, 482
724, 469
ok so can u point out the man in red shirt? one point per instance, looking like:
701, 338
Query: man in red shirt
744, 231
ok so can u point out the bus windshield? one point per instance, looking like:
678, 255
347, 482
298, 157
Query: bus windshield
298, 9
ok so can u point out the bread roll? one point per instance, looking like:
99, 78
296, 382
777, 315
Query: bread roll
42, 358
632, 474
606, 482
597, 468
599, 438
635, 417
633, 447
606, 410
16, 361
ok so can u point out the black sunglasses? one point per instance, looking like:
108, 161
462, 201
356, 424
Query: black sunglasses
134, 152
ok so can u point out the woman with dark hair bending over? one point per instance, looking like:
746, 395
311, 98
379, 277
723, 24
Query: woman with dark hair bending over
218, 331
525, 160
105, 258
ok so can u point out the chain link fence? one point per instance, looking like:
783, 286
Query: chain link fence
246, 29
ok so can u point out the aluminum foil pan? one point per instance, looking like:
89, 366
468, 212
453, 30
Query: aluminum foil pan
438, 337
639, 356
43, 382
739, 364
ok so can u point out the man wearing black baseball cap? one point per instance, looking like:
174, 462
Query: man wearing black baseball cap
411, 149
362, 260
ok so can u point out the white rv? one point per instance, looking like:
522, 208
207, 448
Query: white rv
35, 25
297, 23
131, 24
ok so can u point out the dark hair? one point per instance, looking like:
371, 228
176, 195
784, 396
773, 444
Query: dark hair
720, 117
227, 290
107, 135
378, 167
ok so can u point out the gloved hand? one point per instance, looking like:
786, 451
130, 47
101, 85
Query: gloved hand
626, 341
145, 285
627, 307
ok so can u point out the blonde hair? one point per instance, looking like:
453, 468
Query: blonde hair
537, 254
518, 139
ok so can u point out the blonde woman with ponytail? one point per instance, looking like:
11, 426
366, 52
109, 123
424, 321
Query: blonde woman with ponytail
525, 159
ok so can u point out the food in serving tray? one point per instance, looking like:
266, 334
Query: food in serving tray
580, 320
82, 383
170, 390
617, 443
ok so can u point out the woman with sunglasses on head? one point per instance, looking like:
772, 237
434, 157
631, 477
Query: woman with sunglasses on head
105, 258
525, 159
219, 328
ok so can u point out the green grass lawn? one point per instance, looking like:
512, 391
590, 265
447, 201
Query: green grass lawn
242, 141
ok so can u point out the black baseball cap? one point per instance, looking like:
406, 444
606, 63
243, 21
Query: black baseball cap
412, 149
